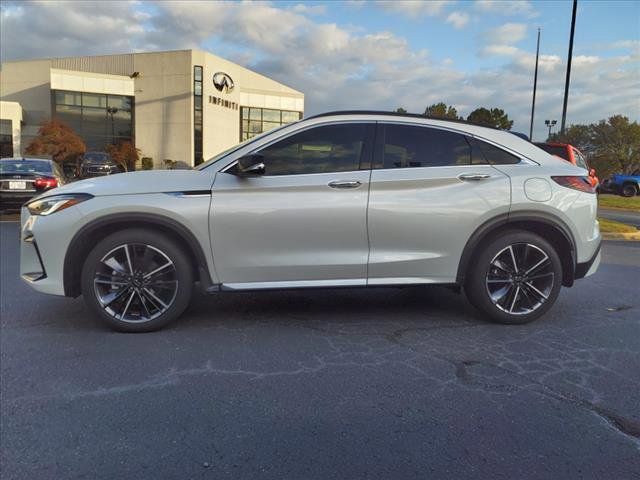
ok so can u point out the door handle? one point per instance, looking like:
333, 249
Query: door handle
474, 176
345, 184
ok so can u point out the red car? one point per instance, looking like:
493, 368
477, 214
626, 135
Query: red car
570, 154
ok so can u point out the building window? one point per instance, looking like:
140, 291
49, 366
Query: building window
258, 120
6, 138
197, 114
98, 118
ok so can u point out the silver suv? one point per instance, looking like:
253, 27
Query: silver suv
340, 199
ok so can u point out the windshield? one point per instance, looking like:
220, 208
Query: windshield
238, 146
580, 160
96, 157
25, 166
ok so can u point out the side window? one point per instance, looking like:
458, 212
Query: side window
580, 160
408, 146
330, 148
495, 155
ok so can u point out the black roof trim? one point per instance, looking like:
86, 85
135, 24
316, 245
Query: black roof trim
410, 115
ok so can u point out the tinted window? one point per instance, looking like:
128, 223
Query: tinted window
495, 155
554, 150
411, 147
96, 157
332, 148
24, 166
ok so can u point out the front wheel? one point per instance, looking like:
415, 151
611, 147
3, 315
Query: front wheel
515, 277
137, 280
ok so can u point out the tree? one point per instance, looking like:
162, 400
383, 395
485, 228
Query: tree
611, 145
57, 140
490, 118
442, 110
124, 154
400, 110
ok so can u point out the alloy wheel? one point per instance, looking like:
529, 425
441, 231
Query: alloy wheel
135, 282
520, 278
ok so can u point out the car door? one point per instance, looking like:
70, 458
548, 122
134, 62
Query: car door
431, 188
301, 223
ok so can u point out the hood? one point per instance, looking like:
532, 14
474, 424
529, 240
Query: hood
147, 181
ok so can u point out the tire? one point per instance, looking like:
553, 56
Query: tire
145, 301
492, 282
628, 190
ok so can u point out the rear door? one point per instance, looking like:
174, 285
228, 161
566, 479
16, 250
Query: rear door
302, 223
431, 188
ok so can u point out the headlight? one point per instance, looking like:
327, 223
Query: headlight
55, 203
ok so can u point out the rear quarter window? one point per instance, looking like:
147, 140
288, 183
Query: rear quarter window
495, 155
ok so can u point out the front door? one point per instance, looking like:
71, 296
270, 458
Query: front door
302, 223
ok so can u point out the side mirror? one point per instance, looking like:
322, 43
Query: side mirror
250, 165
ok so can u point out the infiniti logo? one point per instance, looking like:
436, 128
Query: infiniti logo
222, 81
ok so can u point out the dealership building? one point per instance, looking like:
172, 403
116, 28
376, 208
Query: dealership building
184, 105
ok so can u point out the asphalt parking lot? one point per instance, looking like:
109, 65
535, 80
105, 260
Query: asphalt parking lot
353, 383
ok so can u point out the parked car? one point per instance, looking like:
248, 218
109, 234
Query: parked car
98, 164
570, 154
625, 185
345, 199
23, 178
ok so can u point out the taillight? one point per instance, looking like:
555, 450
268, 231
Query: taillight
45, 183
577, 183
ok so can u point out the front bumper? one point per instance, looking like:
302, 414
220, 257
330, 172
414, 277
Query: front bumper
43, 244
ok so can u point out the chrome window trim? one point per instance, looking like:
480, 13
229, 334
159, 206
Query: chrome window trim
287, 135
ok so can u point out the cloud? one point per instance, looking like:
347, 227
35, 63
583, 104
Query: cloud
310, 9
507, 8
458, 19
416, 9
506, 34
336, 66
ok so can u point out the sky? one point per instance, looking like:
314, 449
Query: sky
381, 55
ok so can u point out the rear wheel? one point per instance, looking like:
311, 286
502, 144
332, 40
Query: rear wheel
628, 190
137, 280
515, 277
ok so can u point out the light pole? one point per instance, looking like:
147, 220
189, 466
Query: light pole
550, 124
535, 84
566, 82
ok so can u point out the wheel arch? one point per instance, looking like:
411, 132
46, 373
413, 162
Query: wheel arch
87, 237
549, 227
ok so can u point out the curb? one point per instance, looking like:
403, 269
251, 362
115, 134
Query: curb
629, 237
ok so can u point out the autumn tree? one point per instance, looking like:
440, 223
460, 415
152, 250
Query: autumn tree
124, 154
612, 145
58, 140
495, 118
442, 110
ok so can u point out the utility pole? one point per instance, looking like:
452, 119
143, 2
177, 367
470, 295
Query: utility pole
550, 124
535, 85
566, 83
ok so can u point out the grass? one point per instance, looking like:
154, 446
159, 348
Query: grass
611, 226
621, 203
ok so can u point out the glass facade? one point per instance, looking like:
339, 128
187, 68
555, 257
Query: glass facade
197, 114
258, 120
6, 138
98, 118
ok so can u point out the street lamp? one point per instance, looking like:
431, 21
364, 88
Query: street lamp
550, 124
112, 111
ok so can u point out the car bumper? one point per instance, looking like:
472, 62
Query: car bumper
43, 243
15, 200
589, 267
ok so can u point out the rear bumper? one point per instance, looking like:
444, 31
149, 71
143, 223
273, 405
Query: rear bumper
15, 199
590, 266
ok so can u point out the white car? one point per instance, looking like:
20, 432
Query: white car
336, 200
